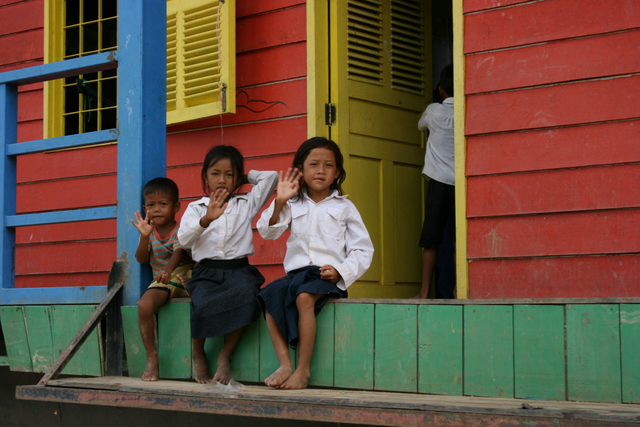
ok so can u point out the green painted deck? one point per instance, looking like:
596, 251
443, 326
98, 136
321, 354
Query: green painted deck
576, 350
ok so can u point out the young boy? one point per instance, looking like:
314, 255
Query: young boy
159, 246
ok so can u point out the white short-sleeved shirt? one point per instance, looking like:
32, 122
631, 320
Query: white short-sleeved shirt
330, 232
230, 236
438, 158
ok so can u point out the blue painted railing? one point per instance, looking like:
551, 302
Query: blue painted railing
141, 137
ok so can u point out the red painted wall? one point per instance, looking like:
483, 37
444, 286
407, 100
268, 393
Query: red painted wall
269, 125
553, 145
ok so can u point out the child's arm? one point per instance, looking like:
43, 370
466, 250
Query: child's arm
164, 275
264, 182
287, 188
359, 249
145, 228
276, 218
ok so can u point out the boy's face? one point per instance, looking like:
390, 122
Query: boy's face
160, 208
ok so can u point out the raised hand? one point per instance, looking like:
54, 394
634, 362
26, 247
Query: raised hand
288, 185
144, 226
217, 204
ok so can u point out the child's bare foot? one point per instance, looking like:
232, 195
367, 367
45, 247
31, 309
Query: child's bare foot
201, 370
279, 376
151, 370
183, 280
296, 381
223, 373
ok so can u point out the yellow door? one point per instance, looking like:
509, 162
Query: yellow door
380, 82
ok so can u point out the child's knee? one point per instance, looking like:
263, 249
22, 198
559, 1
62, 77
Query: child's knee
305, 301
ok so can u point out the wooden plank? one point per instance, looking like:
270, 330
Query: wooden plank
550, 106
354, 346
66, 321
22, 47
480, 5
323, 353
174, 341
66, 164
29, 131
245, 365
134, 348
579, 233
68, 280
440, 356
74, 190
630, 352
276, 28
539, 363
62, 257
185, 148
347, 407
396, 348
65, 216
488, 351
537, 22
593, 353
253, 8
16, 341
554, 62
267, 102
563, 277
576, 146
38, 322
30, 105
607, 187
276, 63
115, 285
86, 230
22, 17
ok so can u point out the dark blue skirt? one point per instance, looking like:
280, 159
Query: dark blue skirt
279, 298
223, 296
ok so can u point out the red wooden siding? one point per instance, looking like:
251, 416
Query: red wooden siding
552, 148
269, 126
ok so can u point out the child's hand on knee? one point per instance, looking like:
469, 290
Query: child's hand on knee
329, 274
163, 276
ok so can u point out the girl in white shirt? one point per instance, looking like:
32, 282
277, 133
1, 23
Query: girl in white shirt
223, 286
328, 250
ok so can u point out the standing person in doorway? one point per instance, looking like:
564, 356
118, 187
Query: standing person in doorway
439, 169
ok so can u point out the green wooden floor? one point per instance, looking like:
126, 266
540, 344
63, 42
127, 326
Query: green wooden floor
556, 351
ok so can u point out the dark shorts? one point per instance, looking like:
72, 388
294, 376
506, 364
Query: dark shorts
223, 296
279, 298
440, 206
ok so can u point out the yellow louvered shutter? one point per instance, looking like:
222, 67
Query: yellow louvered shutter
200, 59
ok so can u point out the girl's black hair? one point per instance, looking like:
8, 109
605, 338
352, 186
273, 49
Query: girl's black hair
320, 142
220, 152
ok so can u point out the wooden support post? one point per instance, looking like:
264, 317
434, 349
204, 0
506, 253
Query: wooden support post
116, 278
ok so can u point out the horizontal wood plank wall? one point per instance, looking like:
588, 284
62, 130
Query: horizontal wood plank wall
269, 125
582, 352
550, 351
552, 128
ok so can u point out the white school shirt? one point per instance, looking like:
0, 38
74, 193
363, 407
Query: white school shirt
438, 158
327, 233
229, 236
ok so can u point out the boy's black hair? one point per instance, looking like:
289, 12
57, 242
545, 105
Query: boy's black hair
320, 142
161, 185
220, 152
446, 79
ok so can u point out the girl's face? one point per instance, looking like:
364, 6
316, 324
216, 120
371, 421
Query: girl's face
222, 174
318, 172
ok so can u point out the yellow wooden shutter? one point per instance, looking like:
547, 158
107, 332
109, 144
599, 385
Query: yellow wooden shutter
200, 59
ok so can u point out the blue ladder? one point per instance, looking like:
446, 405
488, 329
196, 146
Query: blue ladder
141, 137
